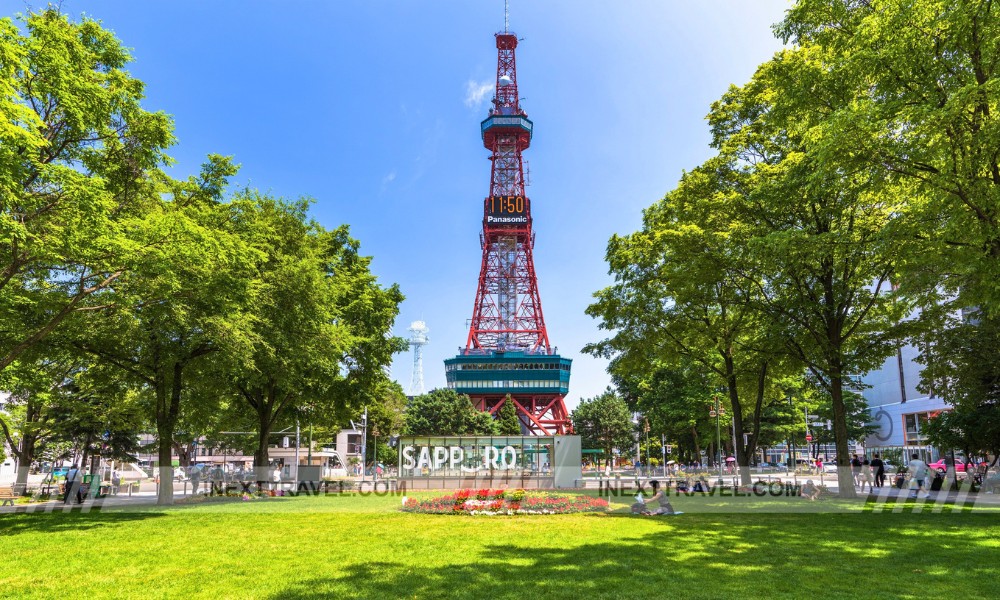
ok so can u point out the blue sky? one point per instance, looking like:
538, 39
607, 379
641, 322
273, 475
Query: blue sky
370, 108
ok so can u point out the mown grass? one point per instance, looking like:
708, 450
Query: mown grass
363, 547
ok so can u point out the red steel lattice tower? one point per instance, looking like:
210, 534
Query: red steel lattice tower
507, 314
507, 339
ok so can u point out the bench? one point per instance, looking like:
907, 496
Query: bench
7, 496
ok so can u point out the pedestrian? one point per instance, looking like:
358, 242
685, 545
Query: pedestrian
116, 481
73, 480
866, 475
217, 476
819, 465
856, 469
195, 479
918, 474
879, 467
276, 477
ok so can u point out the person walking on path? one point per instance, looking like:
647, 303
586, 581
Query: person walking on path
879, 467
866, 475
73, 480
276, 477
195, 480
918, 474
856, 469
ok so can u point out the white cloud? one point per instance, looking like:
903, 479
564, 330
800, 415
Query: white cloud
389, 178
476, 92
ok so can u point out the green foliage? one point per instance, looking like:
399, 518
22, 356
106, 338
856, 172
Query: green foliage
445, 412
676, 400
920, 80
604, 422
959, 371
507, 421
319, 322
79, 159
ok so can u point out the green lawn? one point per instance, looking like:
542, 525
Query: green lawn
362, 547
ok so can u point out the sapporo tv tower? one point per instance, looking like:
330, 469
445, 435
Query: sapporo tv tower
507, 357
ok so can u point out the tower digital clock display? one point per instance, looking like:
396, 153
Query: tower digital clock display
507, 210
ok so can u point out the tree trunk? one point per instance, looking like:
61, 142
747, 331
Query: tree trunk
261, 456
87, 441
168, 402
845, 479
25, 456
165, 469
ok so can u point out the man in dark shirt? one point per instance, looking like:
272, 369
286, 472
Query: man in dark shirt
879, 467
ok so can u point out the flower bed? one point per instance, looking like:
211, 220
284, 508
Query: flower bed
505, 502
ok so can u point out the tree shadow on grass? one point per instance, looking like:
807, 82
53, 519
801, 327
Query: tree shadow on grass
70, 520
712, 556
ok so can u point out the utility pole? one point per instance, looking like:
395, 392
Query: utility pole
298, 444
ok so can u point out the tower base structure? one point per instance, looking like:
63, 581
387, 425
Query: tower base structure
535, 383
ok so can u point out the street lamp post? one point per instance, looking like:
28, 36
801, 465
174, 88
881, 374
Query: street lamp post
375, 460
645, 427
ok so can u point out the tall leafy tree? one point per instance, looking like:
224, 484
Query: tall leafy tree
604, 422
823, 238
507, 421
960, 371
182, 301
921, 79
78, 156
28, 419
676, 298
319, 323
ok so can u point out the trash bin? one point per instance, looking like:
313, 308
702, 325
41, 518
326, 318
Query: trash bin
937, 482
900, 481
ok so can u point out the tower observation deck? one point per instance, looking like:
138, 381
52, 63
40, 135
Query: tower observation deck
507, 356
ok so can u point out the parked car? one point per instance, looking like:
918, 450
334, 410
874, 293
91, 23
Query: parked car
941, 466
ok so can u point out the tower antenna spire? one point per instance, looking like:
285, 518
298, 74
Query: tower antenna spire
506, 16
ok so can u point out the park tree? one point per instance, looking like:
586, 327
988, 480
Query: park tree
386, 417
313, 342
182, 301
823, 239
604, 422
78, 161
675, 398
507, 421
28, 420
920, 81
679, 295
446, 412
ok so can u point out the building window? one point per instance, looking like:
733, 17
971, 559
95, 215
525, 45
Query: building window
914, 426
